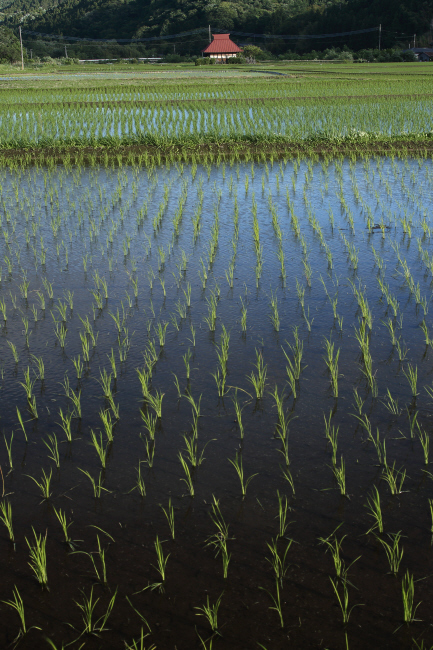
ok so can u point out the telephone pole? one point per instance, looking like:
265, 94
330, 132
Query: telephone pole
66, 52
22, 55
210, 40
380, 34
414, 40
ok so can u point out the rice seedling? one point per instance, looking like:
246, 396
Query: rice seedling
340, 476
274, 316
62, 518
277, 606
210, 612
139, 644
44, 484
391, 404
6, 517
155, 402
424, 439
393, 551
66, 424
394, 477
97, 484
374, 510
169, 513
14, 351
238, 411
258, 381
343, 599
411, 375
17, 604
92, 624
38, 558
53, 447
238, 465
219, 539
408, 595
188, 480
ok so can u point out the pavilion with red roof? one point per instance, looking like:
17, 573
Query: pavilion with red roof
221, 48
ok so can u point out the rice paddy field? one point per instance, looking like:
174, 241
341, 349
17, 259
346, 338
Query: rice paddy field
216, 368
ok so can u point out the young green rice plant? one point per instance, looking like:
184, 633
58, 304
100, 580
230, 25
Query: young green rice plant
186, 359
97, 484
8, 446
188, 480
40, 365
391, 404
61, 331
76, 401
192, 330
218, 540
210, 612
411, 375
428, 340
238, 411
150, 423
161, 565
278, 562
14, 351
139, 482
394, 477
424, 439
258, 381
139, 644
169, 513
44, 484
308, 322
413, 421
161, 331
238, 465
243, 316
408, 594
343, 599
101, 572
112, 361
17, 604
6, 517
93, 625
155, 402
191, 450
374, 510
332, 365
393, 551
66, 424
100, 449
210, 319
38, 558
274, 316
340, 476
53, 447
277, 606
332, 436
105, 381
20, 420
61, 516
107, 423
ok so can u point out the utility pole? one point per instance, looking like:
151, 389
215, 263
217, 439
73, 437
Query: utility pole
22, 55
210, 40
380, 34
31, 54
66, 52
414, 40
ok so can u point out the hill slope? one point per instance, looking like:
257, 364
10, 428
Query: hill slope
142, 18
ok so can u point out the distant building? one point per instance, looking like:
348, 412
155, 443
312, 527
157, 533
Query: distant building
425, 56
221, 48
422, 53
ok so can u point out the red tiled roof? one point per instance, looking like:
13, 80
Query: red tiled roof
221, 44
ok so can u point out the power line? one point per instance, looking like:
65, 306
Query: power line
288, 37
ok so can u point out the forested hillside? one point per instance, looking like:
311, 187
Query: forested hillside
141, 18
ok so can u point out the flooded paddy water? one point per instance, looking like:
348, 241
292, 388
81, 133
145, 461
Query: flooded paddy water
219, 378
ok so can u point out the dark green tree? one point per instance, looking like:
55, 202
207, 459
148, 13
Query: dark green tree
9, 46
